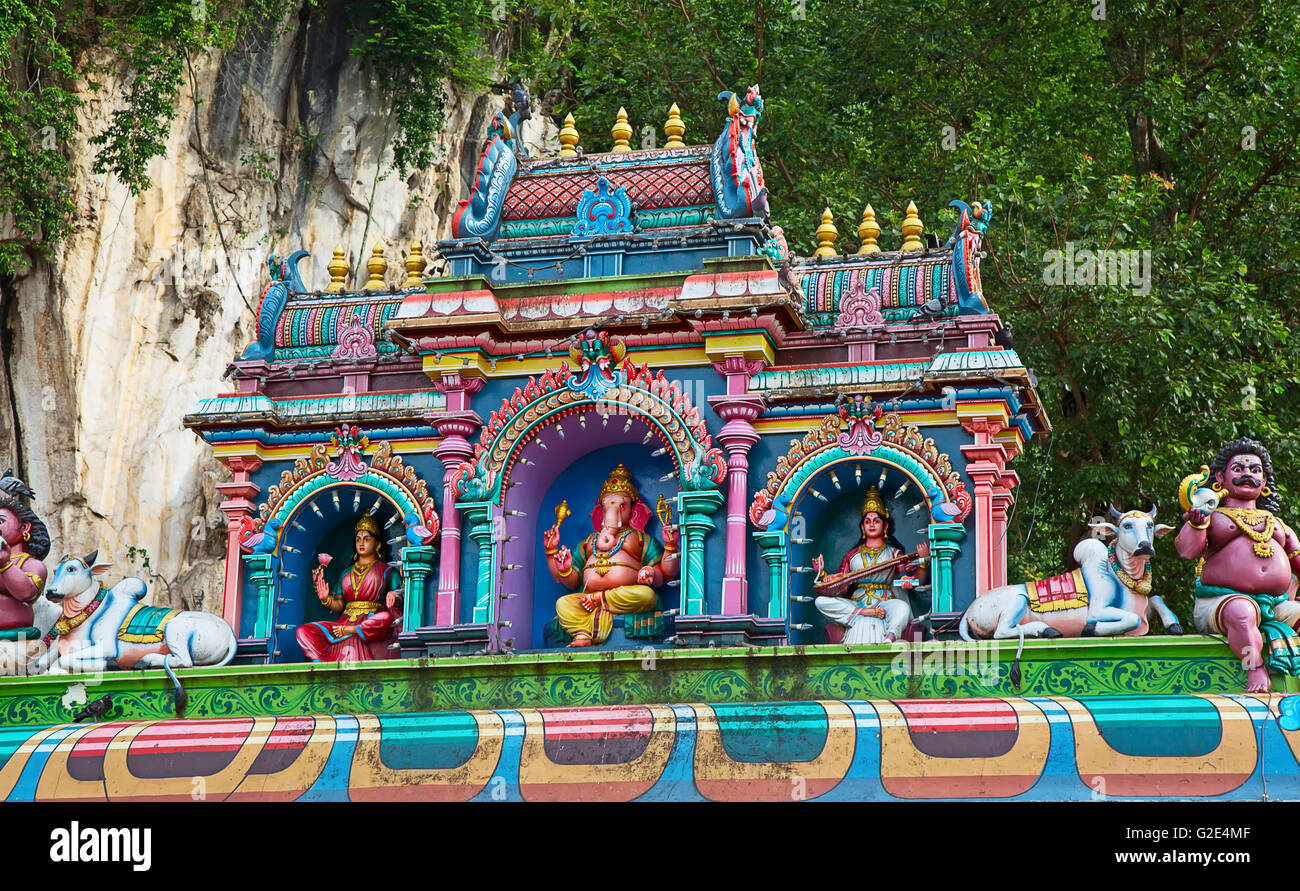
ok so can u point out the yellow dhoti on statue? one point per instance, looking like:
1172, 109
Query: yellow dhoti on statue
598, 623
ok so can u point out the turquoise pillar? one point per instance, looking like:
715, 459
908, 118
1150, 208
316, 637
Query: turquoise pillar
772, 547
478, 517
417, 566
945, 545
696, 522
261, 572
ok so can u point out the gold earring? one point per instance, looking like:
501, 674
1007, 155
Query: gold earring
1217, 486
1265, 492
27, 536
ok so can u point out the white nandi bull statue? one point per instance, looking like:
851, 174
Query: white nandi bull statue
104, 628
1109, 594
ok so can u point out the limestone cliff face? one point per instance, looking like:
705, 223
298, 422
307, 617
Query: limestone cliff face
137, 315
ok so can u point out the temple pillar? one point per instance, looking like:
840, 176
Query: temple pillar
695, 509
737, 437
1003, 498
238, 506
417, 566
945, 545
478, 516
454, 425
772, 548
986, 466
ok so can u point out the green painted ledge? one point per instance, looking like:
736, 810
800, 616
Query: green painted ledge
1159, 665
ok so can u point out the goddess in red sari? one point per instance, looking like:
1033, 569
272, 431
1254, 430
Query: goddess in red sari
369, 601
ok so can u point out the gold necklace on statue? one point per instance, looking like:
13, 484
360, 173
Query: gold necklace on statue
1245, 518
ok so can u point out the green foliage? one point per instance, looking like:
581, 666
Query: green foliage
52, 50
1160, 127
414, 47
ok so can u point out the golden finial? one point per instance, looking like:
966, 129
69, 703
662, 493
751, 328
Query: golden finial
562, 512
868, 232
912, 229
414, 268
826, 235
674, 128
568, 138
338, 268
622, 132
376, 267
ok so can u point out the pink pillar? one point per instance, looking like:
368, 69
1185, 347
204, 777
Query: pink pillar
738, 408
238, 506
454, 425
987, 469
1003, 497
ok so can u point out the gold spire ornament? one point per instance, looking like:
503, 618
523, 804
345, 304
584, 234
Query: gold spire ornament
621, 131
675, 128
338, 269
826, 235
562, 512
868, 232
568, 138
911, 228
414, 268
376, 268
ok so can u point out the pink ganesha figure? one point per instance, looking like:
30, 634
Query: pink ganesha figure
1247, 557
618, 565
369, 600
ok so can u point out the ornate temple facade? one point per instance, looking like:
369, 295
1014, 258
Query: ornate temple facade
632, 308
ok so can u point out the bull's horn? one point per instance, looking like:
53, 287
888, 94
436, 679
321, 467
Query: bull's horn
65, 558
90, 558
1114, 514
1153, 511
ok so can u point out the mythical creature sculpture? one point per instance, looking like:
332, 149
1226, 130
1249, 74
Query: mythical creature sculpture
973, 221
737, 174
479, 216
1246, 556
860, 596
617, 567
284, 281
368, 600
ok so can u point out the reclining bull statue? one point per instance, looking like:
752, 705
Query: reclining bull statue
1109, 594
110, 628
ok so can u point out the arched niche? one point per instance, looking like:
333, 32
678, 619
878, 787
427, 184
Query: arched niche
845, 455
546, 427
313, 509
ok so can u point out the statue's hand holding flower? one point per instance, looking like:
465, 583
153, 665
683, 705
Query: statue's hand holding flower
563, 560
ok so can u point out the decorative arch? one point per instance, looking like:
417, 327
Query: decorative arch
341, 466
598, 384
859, 433
386, 474
852, 435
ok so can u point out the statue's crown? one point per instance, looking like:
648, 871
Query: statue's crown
368, 524
875, 502
619, 483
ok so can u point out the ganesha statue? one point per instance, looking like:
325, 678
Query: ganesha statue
616, 568
1246, 556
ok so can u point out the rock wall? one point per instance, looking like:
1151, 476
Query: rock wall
137, 314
